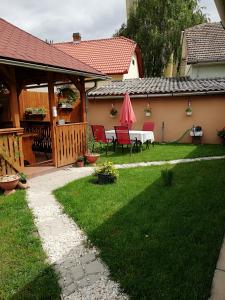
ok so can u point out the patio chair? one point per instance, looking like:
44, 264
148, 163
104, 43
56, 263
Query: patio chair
148, 126
98, 132
123, 138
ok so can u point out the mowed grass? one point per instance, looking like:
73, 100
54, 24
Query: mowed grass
158, 242
160, 152
24, 272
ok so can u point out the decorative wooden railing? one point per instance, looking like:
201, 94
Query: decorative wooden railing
11, 151
71, 141
42, 140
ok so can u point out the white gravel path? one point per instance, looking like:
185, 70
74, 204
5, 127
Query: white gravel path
82, 274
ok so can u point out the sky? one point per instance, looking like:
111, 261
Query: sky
56, 19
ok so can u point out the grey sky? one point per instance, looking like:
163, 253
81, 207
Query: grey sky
57, 20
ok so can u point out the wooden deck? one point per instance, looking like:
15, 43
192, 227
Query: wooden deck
40, 169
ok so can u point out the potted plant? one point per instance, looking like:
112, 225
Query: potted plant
80, 161
35, 112
106, 173
66, 97
188, 111
22, 184
221, 134
113, 112
90, 156
9, 182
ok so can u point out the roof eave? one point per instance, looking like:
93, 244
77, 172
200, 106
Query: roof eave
50, 68
149, 95
200, 62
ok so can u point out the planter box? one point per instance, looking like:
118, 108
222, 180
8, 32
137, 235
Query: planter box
106, 178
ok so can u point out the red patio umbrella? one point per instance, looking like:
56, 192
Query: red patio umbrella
127, 116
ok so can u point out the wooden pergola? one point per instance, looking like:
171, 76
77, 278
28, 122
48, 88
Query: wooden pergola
69, 140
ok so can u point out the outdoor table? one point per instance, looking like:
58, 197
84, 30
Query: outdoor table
140, 135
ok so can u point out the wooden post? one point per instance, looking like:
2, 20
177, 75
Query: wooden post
52, 103
83, 100
14, 103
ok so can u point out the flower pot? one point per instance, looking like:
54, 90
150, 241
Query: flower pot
112, 116
91, 158
8, 182
147, 114
106, 178
188, 113
80, 164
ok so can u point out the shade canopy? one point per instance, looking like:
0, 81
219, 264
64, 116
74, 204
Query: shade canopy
127, 116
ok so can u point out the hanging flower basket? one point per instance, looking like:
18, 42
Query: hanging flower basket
113, 112
148, 113
188, 111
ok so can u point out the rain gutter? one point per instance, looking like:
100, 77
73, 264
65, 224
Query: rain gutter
50, 68
157, 95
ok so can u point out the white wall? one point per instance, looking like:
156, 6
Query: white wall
133, 71
206, 71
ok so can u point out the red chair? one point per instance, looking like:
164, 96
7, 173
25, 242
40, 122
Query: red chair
98, 132
148, 126
123, 137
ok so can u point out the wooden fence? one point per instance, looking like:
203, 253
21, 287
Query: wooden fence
11, 151
71, 140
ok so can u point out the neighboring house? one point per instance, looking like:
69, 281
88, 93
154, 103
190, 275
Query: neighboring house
220, 4
203, 51
118, 57
168, 99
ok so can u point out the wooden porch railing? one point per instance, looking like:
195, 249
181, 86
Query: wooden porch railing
11, 151
71, 140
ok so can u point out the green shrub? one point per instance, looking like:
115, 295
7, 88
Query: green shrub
167, 177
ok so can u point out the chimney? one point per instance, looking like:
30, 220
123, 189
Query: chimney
76, 37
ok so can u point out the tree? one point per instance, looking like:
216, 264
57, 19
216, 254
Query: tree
156, 25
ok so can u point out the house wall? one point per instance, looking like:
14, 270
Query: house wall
133, 71
205, 71
208, 112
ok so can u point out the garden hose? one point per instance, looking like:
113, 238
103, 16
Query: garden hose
180, 138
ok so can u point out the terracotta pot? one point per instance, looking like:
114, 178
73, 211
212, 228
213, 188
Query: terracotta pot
91, 158
10, 184
80, 164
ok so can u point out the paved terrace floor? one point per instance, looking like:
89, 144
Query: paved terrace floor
82, 275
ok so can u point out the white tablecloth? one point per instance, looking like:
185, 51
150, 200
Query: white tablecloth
142, 136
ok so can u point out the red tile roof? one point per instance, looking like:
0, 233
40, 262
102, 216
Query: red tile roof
111, 56
16, 44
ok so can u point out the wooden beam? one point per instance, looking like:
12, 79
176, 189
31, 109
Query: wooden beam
53, 119
14, 102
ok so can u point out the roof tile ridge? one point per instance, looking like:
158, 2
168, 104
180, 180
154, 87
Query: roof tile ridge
99, 40
203, 25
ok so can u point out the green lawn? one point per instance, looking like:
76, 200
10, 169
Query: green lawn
159, 242
24, 272
162, 152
